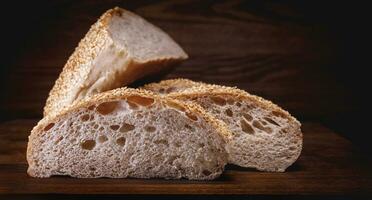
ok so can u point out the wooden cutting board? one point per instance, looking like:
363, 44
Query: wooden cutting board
328, 165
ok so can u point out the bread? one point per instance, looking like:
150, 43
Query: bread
129, 133
265, 136
119, 48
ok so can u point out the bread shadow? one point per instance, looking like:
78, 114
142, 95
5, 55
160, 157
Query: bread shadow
238, 168
156, 77
293, 168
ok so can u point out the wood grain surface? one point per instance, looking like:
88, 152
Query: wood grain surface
324, 168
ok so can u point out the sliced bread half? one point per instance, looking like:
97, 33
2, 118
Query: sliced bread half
129, 133
265, 136
119, 48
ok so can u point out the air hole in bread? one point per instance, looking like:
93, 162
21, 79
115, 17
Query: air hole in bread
121, 141
126, 127
91, 168
107, 107
218, 100
263, 122
189, 127
101, 128
279, 114
176, 106
161, 90
162, 141
206, 172
170, 89
178, 144
292, 148
114, 127
238, 104
143, 101
48, 127
283, 131
95, 126
172, 159
248, 117
91, 107
191, 116
258, 125
230, 101
271, 121
58, 140
85, 117
88, 144
150, 129
229, 112
246, 127
102, 139
201, 145
132, 106
73, 140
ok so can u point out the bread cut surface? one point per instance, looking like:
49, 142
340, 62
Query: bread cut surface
265, 136
119, 48
129, 133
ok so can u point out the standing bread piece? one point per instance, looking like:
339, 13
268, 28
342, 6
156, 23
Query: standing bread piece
265, 136
119, 48
129, 133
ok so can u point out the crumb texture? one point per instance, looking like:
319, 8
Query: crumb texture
265, 137
136, 136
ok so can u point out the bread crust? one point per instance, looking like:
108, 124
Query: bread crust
196, 89
79, 65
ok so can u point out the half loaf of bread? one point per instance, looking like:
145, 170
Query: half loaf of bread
129, 133
119, 48
265, 136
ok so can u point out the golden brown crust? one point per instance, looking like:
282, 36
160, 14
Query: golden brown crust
76, 67
170, 85
197, 89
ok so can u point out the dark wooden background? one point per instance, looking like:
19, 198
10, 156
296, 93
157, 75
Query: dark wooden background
307, 57
311, 58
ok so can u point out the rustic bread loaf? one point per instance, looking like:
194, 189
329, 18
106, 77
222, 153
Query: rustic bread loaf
119, 48
265, 136
129, 133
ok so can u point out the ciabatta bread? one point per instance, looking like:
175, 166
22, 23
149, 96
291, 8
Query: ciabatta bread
129, 133
119, 48
265, 136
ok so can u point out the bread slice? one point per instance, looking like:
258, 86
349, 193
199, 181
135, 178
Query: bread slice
265, 136
129, 133
119, 48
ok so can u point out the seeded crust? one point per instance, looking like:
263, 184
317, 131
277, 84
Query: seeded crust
187, 90
122, 93
172, 85
119, 94
78, 66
